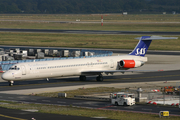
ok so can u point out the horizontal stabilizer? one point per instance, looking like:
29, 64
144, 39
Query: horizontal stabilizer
157, 38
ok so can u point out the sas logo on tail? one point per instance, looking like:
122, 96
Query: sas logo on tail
141, 51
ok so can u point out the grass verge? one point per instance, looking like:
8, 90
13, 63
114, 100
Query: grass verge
82, 41
125, 26
143, 22
82, 91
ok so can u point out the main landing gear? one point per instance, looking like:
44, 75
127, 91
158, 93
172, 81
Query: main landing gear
99, 78
82, 78
11, 83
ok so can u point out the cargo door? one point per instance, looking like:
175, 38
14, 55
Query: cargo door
23, 70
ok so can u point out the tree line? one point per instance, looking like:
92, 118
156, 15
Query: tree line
88, 6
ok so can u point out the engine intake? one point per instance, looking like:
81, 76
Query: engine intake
130, 64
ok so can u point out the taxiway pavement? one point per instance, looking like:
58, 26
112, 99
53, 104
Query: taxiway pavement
14, 114
89, 31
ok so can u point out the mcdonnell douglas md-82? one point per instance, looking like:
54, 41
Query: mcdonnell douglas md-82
82, 66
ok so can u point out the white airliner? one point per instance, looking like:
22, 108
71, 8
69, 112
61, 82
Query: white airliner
83, 66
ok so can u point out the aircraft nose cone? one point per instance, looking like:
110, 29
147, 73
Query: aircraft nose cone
5, 76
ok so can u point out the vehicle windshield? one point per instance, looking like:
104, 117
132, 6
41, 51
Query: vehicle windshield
114, 96
132, 96
14, 68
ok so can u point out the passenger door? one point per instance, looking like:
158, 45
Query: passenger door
111, 63
23, 70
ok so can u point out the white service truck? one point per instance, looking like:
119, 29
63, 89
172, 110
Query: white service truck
120, 98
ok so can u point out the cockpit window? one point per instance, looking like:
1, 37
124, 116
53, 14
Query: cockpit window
14, 68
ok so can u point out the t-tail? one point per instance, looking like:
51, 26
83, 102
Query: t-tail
144, 43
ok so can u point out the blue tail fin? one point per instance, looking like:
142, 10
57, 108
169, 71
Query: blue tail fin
142, 47
144, 43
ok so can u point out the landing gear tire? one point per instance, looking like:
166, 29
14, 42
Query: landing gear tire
11, 83
125, 104
99, 78
82, 78
116, 103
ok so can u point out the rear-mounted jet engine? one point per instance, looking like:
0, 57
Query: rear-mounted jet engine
130, 64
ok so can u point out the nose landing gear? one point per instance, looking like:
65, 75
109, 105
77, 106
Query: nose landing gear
11, 83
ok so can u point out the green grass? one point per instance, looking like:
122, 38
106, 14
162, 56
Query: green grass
82, 41
118, 22
168, 27
93, 17
82, 91
70, 110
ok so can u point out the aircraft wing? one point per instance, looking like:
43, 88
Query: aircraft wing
97, 72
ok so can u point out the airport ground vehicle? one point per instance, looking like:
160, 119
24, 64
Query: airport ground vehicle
121, 98
171, 90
